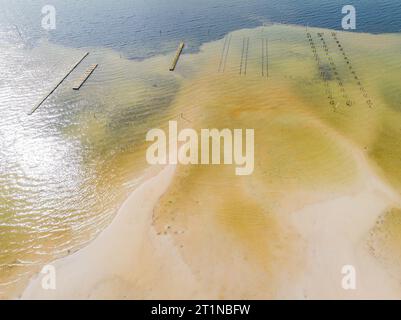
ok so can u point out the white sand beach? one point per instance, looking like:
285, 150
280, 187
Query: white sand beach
125, 261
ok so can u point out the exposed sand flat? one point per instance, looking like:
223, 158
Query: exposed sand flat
336, 231
130, 260
125, 261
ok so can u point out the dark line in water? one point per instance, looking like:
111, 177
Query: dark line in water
263, 57
267, 57
246, 55
225, 58
242, 55
222, 53
19, 33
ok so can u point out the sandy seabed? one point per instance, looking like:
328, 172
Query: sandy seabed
131, 260
319, 190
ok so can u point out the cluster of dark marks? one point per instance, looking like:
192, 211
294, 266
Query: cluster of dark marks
169, 229
324, 71
334, 69
353, 72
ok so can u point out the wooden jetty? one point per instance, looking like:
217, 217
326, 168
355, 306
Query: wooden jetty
58, 84
177, 56
79, 83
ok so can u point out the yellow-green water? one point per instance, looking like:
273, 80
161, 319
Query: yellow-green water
300, 157
66, 169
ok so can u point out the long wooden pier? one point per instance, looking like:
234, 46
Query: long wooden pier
57, 85
79, 83
177, 56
